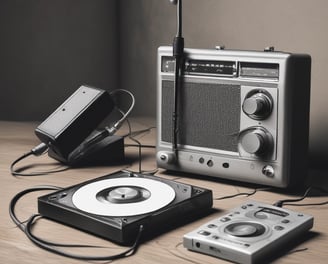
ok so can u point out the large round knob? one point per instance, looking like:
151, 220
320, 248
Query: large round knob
257, 106
256, 141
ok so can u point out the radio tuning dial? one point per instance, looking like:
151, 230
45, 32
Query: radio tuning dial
256, 141
257, 106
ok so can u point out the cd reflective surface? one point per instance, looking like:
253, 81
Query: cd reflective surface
123, 196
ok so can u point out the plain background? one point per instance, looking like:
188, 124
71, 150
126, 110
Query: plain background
49, 48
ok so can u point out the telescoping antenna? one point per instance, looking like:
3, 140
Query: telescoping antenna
178, 47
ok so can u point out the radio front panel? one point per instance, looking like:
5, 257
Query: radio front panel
236, 115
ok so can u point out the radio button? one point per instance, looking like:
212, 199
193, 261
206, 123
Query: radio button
268, 170
257, 106
210, 163
165, 157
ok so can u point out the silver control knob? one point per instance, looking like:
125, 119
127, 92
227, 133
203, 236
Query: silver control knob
257, 106
256, 141
165, 157
268, 171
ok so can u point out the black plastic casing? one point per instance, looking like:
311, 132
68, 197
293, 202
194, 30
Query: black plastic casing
74, 120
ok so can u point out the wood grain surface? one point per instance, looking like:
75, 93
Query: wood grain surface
17, 138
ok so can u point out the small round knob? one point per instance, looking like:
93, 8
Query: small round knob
268, 171
257, 106
256, 141
165, 157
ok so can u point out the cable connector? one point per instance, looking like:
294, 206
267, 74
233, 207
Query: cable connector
278, 203
39, 149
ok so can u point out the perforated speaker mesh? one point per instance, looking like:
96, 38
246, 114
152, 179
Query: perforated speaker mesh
209, 115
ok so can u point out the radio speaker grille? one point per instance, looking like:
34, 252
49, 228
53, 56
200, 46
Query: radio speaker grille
209, 115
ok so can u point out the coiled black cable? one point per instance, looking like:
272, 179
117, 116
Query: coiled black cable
53, 247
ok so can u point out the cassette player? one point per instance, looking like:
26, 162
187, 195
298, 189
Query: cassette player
249, 234
242, 115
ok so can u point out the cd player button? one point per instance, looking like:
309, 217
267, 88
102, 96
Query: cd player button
212, 226
285, 221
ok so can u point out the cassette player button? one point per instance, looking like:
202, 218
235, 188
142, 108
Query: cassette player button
260, 215
204, 233
225, 219
279, 228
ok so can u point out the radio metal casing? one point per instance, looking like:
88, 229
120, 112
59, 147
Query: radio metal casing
243, 115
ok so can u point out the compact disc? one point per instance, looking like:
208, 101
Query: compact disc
126, 196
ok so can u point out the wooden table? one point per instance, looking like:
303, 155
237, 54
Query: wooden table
17, 138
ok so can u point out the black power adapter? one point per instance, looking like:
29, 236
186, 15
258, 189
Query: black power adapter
73, 121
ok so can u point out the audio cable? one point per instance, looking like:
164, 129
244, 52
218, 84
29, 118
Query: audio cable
27, 227
281, 203
43, 148
39, 150
291, 202
106, 132
109, 131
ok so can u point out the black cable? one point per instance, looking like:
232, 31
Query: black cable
36, 240
281, 203
50, 246
136, 141
15, 199
36, 151
12, 170
307, 204
142, 145
138, 132
241, 194
131, 136
109, 131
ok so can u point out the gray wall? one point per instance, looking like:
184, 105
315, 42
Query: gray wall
48, 48
293, 25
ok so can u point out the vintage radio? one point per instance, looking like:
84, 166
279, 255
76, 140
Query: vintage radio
242, 115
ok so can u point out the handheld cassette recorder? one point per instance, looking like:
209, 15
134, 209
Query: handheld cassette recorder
242, 115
